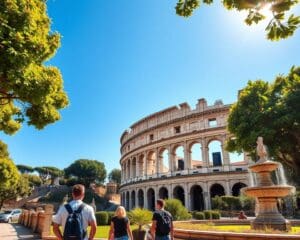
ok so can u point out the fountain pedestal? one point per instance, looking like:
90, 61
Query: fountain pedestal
267, 195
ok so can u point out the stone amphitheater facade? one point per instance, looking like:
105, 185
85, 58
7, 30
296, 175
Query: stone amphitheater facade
152, 169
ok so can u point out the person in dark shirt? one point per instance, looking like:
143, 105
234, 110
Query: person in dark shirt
162, 223
120, 227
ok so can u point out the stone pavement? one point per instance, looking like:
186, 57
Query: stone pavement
15, 232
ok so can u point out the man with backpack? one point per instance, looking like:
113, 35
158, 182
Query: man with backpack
75, 217
162, 223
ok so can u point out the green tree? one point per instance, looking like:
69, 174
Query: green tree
270, 110
48, 173
25, 168
9, 180
279, 27
34, 180
87, 171
29, 90
178, 211
115, 176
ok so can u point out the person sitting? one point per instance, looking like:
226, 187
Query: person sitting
242, 215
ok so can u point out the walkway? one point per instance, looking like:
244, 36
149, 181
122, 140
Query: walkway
15, 232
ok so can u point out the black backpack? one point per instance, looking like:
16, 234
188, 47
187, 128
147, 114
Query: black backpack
74, 226
164, 222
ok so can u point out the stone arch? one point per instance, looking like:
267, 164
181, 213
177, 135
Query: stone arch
196, 198
127, 201
128, 166
151, 163
132, 199
215, 153
195, 150
163, 158
151, 199
178, 153
141, 198
133, 167
178, 193
236, 188
141, 162
163, 193
217, 190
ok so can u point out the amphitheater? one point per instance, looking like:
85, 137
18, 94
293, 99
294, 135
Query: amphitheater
180, 153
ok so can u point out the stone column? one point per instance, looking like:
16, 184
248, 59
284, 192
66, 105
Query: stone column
145, 198
171, 161
137, 167
187, 157
47, 220
228, 190
145, 164
225, 154
187, 196
205, 153
157, 162
207, 197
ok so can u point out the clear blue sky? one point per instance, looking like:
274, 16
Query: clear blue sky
123, 60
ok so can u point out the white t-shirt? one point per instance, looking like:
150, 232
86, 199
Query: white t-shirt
62, 214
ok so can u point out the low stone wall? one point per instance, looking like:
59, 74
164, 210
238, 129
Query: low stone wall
39, 221
208, 235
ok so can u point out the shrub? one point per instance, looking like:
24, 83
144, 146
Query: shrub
102, 218
140, 217
199, 215
178, 211
110, 216
215, 215
207, 214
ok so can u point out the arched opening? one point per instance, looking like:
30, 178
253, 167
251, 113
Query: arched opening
197, 201
151, 199
164, 161
141, 165
216, 190
151, 163
127, 201
215, 153
196, 156
179, 158
141, 198
133, 167
236, 188
178, 193
132, 199
163, 193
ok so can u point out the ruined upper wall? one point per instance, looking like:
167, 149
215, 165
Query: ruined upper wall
168, 115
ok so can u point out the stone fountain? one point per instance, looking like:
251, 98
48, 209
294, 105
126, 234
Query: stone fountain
267, 193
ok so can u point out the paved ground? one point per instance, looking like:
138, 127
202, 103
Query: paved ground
15, 232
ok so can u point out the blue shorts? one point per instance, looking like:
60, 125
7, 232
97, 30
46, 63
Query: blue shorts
121, 238
166, 237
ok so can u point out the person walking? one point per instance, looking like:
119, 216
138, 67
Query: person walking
162, 223
75, 217
120, 226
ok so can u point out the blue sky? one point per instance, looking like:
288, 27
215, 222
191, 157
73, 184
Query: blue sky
123, 60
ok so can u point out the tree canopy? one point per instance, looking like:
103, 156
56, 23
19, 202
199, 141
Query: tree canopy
279, 27
9, 179
270, 110
115, 175
49, 172
30, 91
87, 171
25, 168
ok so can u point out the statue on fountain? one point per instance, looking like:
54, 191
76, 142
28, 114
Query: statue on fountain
261, 150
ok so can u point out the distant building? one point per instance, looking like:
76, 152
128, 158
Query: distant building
152, 168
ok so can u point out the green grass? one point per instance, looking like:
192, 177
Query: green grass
102, 231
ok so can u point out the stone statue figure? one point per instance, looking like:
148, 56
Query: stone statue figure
261, 150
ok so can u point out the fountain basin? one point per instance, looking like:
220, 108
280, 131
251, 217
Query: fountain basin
278, 191
267, 166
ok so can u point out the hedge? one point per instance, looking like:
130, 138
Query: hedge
199, 215
102, 218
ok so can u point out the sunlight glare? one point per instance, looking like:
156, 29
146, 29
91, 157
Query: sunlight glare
266, 11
